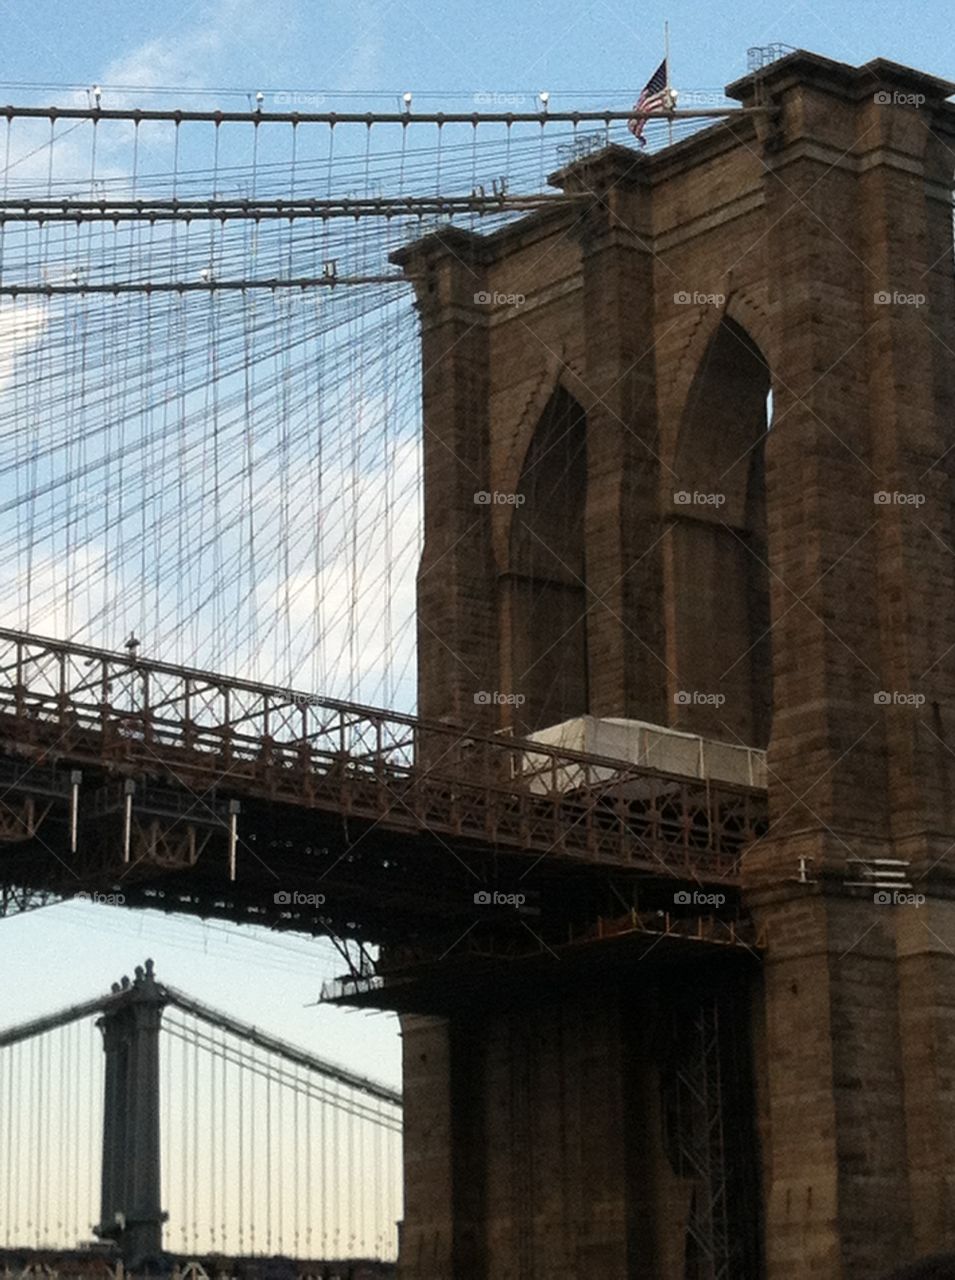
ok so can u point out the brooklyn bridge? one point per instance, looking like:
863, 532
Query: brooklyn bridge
524, 559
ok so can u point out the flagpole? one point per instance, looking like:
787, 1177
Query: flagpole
666, 58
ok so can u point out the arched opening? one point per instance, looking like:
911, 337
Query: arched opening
547, 595
722, 653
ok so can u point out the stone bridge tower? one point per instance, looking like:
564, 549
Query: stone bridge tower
722, 387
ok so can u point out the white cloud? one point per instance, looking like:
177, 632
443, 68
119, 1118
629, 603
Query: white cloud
198, 55
64, 596
22, 325
339, 616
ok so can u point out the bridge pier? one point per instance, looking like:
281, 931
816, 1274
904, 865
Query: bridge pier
589, 1131
130, 1203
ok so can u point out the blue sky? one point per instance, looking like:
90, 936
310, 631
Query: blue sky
428, 46
580, 50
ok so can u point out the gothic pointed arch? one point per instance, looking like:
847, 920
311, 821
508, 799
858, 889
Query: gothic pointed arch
720, 645
557, 373
742, 307
546, 574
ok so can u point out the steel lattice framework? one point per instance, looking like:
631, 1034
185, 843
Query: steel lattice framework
84, 707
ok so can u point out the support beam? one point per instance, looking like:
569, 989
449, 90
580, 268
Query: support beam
332, 118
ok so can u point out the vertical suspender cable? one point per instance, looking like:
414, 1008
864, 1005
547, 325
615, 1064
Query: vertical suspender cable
296, 1147
268, 1163
241, 1092
37, 1160
309, 1203
213, 1126
184, 1156
195, 1137
10, 1065
254, 1163
280, 1181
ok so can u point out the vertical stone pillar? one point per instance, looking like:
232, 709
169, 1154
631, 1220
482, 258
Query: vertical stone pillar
428, 1229
625, 623
906, 192
835, 1139
130, 1210
861, 409
116, 1069
456, 587
449, 1148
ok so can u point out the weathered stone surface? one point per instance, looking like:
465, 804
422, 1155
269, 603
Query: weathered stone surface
810, 253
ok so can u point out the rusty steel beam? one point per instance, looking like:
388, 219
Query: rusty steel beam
332, 118
131, 715
47, 209
198, 286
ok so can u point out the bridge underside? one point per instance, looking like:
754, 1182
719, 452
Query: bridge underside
160, 837
510, 970
97, 1263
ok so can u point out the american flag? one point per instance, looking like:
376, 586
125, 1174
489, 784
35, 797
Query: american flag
653, 97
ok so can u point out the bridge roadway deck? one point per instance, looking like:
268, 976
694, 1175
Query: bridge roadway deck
120, 771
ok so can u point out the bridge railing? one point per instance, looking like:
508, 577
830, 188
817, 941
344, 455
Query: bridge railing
86, 705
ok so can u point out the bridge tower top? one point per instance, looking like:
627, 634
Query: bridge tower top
659, 430
143, 987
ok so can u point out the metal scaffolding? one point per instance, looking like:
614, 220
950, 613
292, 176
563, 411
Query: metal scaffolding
704, 1087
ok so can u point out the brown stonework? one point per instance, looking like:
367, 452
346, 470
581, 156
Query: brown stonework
808, 253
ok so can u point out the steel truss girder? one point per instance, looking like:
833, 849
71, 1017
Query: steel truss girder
78, 211
200, 731
15, 900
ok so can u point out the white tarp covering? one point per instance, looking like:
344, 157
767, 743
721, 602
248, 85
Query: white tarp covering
655, 747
